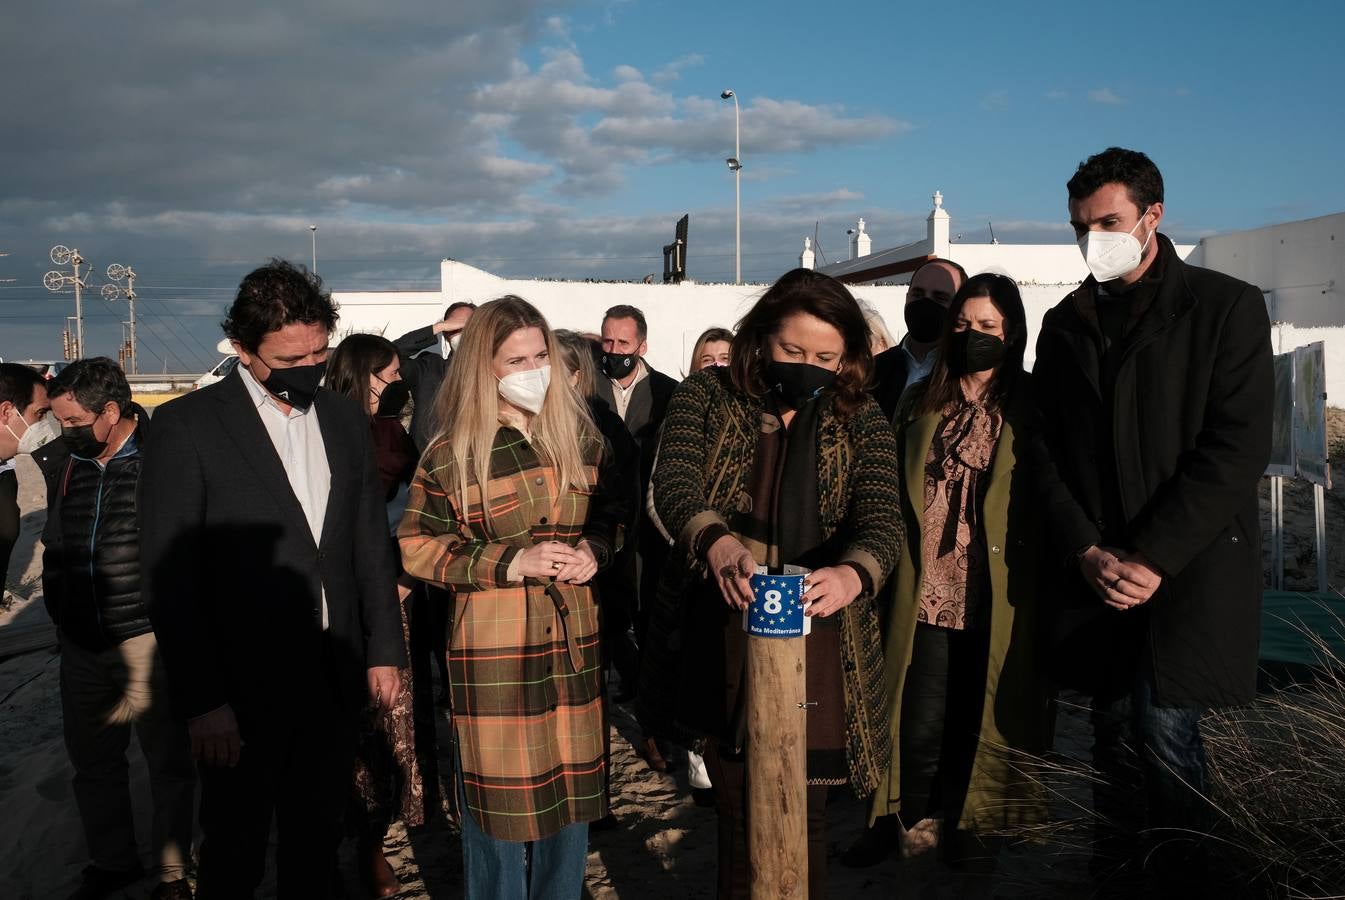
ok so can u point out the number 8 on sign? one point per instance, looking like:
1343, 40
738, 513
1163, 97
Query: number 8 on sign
772, 606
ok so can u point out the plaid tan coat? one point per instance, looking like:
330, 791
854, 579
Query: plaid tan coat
524, 665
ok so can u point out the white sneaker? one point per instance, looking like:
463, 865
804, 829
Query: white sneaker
697, 776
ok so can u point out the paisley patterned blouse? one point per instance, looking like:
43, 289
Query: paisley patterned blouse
956, 575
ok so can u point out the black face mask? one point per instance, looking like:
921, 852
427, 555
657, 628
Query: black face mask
81, 441
297, 385
797, 383
924, 319
393, 399
974, 351
618, 365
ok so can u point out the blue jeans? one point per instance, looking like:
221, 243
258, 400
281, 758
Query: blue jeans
1151, 760
549, 869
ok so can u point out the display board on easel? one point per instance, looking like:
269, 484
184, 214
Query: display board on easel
1298, 448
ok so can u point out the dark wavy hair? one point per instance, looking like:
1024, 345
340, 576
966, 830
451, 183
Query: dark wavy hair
273, 296
17, 383
461, 304
353, 363
1116, 165
94, 383
944, 386
804, 291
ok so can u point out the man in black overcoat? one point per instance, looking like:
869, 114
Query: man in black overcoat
1156, 389
270, 582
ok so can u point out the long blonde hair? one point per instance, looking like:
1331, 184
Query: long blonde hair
468, 405
577, 352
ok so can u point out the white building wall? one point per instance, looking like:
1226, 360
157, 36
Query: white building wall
1032, 263
676, 313
1300, 266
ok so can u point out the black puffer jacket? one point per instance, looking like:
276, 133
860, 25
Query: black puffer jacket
91, 564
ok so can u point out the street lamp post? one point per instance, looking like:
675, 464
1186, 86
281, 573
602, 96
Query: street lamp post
736, 167
314, 230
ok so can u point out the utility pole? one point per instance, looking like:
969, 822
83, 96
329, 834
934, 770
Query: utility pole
56, 280
117, 272
314, 230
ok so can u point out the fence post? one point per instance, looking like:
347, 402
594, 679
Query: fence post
777, 781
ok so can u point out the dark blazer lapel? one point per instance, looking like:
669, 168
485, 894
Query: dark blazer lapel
243, 424
340, 458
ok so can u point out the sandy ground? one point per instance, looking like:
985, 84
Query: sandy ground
662, 848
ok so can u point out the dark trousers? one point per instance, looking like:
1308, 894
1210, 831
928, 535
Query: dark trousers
618, 590
428, 612
9, 522
431, 611
940, 721
735, 867
296, 764
1151, 763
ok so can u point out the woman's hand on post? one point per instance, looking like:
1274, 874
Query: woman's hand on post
582, 568
546, 560
831, 589
731, 566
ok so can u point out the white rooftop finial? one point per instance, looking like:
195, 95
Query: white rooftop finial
938, 200
807, 244
861, 225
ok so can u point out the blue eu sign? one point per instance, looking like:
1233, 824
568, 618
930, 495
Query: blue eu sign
777, 604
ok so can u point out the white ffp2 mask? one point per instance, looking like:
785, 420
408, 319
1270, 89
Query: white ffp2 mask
1110, 255
35, 435
526, 389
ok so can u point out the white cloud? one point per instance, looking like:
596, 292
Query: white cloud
1106, 96
673, 70
995, 101
593, 131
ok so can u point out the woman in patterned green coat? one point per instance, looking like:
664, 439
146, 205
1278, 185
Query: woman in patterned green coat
780, 458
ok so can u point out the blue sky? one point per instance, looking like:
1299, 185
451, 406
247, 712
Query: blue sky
564, 139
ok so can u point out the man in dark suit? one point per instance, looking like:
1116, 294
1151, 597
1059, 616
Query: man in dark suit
23, 403
931, 289
639, 394
271, 586
425, 356
1156, 389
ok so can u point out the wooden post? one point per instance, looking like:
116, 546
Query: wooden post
777, 779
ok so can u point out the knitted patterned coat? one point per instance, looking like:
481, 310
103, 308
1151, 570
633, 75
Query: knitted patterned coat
705, 460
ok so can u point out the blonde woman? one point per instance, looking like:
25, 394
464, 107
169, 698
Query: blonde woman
711, 349
514, 506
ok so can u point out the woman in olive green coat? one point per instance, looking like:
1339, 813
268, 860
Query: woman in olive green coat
970, 705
